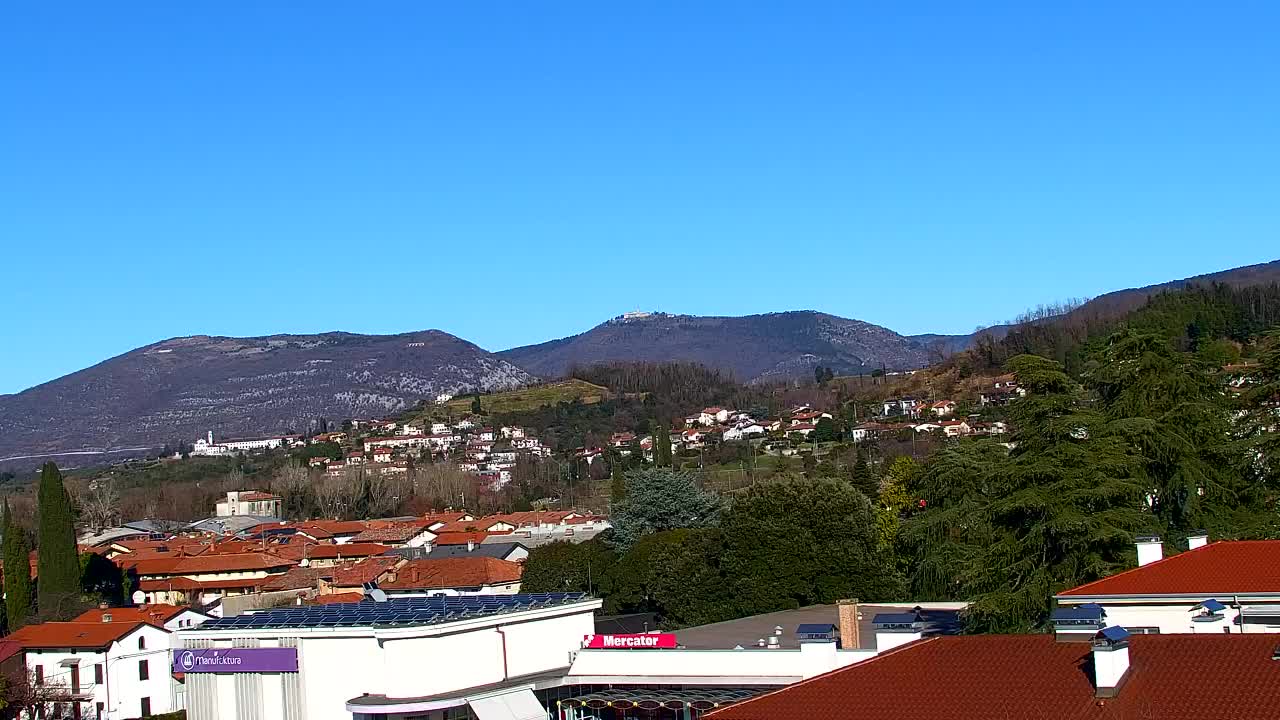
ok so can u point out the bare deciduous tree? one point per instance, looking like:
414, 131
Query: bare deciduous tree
100, 505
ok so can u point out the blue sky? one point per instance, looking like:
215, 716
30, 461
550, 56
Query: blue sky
513, 172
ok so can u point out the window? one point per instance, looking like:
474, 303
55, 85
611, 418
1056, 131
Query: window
1143, 630
97, 674
39, 674
75, 679
142, 642
99, 713
144, 670
146, 707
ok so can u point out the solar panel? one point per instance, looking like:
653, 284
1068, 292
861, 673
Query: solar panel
404, 611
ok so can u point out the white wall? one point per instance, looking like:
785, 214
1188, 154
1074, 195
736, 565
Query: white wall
784, 665
122, 691
1174, 617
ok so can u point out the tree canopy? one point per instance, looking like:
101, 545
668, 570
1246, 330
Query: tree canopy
58, 563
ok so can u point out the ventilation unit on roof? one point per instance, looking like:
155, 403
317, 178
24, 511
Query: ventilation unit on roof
1078, 624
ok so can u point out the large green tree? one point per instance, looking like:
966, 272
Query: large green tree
660, 499
1007, 529
1259, 407
58, 564
568, 567
1172, 412
803, 542
17, 572
661, 444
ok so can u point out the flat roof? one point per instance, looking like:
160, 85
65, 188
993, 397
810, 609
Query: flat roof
397, 612
749, 630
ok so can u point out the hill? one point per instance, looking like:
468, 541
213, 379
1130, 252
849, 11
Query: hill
1117, 303
754, 347
180, 388
532, 397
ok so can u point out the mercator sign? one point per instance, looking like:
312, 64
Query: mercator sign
638, 641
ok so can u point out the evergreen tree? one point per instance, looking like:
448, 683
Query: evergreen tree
660, 499
661, 445
617, 484
1008, 529
17, 572
58, 565
862, 479
475, 405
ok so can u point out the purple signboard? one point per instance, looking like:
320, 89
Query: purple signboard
234, 660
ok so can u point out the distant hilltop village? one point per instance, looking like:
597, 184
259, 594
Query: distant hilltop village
636, 315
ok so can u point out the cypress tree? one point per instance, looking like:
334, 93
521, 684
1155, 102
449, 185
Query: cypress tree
58, 565
17, 572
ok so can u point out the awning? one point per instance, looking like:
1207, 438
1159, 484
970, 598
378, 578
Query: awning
518, 705
655, 698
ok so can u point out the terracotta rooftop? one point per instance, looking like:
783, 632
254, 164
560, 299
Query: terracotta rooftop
80, 635
211, 563
460, 572
333, 598
990, 677
397, 533
461, 537
367, 570
1221, 568
157, 614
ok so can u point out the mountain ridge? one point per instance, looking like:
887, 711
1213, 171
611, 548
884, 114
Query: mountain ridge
754, 348
181, 387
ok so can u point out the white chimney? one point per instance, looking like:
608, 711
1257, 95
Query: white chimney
1197, 540
471, 545
1110, 661
1150, 549
886, 640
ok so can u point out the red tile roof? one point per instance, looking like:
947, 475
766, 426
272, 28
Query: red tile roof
334, 598
397, 533
185, 584
367, 570
79, 635
461, 572
211, 563
992, 677
157, 614
1221, 568
462, 537
349, 550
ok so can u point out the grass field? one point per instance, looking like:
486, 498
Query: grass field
531, 398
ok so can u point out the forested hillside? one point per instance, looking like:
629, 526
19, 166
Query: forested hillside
1160, 422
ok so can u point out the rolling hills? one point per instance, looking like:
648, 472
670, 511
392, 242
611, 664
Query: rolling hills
180, 388
754, 347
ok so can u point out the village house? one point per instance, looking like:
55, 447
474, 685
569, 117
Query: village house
100, 669
249, 502
943, 408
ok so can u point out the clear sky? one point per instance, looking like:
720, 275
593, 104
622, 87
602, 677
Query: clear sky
517, 171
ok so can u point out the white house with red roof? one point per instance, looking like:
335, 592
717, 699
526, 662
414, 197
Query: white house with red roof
943, 408
1217, 588
102, 669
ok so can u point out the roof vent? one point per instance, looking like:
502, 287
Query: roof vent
106, 617
1078, 624
1275, 654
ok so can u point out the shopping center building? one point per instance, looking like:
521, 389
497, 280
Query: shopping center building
510, 657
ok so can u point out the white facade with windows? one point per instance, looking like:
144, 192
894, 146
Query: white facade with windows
128, 678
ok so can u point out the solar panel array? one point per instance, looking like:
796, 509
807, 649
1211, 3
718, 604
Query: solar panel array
392, 613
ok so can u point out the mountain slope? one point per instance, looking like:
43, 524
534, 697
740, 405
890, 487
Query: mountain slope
754, 347
180, 388
1119, 302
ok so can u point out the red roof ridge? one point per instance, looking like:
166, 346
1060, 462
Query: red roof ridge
1164, 561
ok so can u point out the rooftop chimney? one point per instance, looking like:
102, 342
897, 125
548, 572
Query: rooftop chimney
1110, 661
849, 631
1198, 539
471, 545
1150, 549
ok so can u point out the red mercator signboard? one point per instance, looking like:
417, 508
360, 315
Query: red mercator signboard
643, 641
